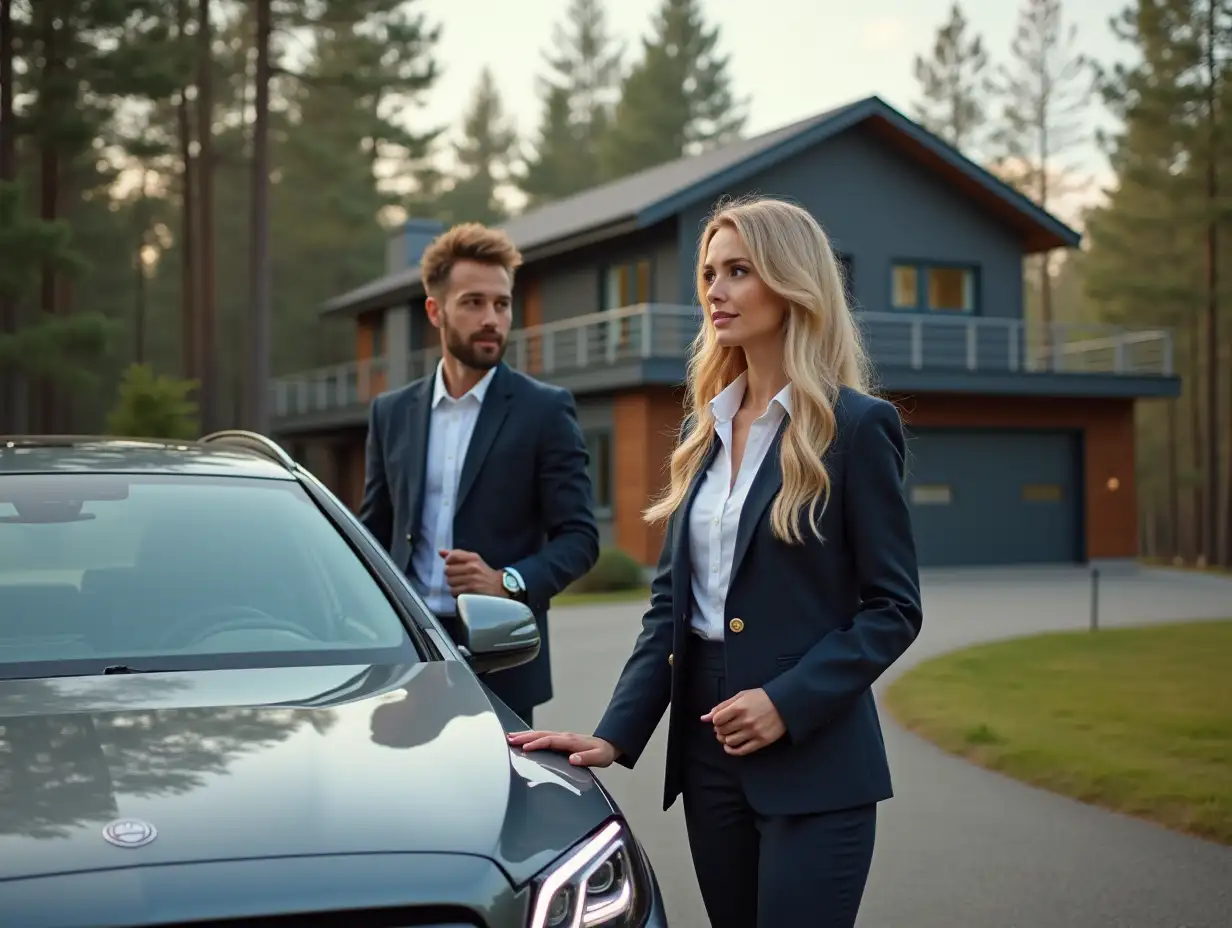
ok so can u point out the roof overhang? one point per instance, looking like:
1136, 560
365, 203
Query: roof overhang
1038, 229
404, 286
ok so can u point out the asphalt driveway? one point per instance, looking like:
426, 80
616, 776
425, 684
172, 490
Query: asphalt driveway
958, 847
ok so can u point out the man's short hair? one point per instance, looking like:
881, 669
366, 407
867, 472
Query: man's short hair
469, 241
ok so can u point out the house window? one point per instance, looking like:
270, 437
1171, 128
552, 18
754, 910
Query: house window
847, 269
933, 288
599, 447
1041, 493
951, 289
378, 337
906, 287
932, 495
623, 285
626, 284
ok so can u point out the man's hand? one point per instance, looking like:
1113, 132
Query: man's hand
466, 572
583, 750
746, 723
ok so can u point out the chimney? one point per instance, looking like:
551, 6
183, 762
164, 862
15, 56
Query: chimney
407, 244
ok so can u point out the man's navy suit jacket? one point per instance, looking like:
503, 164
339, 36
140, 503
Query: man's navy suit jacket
524, 497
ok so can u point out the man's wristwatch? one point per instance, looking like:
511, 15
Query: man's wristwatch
515, 587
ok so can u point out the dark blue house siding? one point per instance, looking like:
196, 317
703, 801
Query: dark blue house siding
880, 207
572, 284
996, 496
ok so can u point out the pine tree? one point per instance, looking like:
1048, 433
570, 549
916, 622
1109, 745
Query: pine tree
1147, 206
484, 154
1145, 264
579, 95
953, 84
562, 163
1046, 92
677, 99
344, 144
378, 58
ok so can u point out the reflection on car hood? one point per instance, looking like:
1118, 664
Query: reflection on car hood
260, 763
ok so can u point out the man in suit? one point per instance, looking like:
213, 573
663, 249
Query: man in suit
476, 475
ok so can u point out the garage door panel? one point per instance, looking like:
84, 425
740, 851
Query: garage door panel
995, 497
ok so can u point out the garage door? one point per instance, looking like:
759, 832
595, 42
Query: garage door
995, 497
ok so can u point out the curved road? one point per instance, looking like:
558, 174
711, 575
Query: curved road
958, 845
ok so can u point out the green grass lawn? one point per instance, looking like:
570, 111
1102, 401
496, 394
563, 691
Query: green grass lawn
1136, 720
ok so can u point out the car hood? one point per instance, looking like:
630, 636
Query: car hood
235, 764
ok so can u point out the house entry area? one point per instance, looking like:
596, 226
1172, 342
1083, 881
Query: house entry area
985, 497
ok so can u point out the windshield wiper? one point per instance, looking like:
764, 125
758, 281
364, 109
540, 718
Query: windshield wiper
124, 668
107, 671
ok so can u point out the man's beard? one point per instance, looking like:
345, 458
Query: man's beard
481, 356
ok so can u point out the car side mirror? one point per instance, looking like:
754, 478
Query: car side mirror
498, 633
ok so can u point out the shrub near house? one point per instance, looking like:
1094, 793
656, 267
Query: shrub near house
153, 405
614, 571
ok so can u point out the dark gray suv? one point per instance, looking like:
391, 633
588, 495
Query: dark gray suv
222, 704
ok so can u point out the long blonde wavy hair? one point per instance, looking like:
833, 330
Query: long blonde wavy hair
822, 351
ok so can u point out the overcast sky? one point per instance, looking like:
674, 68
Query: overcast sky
793, 58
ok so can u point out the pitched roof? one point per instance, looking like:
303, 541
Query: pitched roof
652, 195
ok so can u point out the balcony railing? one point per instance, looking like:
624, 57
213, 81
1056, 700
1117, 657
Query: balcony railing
630, 334
339, 386
650, 332
990, 345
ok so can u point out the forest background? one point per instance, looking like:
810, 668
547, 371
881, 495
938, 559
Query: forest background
184, 182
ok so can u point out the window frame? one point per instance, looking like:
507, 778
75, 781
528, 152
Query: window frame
847, 268
922, 267
603, 509
629, 265
618, 329
378, 336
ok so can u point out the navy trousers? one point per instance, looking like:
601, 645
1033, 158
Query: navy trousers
757, 871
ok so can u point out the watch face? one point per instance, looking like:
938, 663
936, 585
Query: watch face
510, 584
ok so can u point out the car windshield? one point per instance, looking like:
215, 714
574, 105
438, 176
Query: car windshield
208, 571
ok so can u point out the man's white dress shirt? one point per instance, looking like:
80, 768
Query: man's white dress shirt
450, 428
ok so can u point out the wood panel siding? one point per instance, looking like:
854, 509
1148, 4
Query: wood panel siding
644, 429
532, 315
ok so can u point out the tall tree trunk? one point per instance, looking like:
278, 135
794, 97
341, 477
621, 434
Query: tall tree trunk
140, 284
240, 333
206, 322
1194, 542
1210, 535
189, 367
49, 188
1174, 490
1045, 258
1227, 487
259, 343
13, 403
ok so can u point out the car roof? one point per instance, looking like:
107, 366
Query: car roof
230, 454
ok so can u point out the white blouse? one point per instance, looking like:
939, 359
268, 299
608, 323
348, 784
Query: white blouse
715, 515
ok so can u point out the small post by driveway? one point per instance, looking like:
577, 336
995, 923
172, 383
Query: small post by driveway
1094, 599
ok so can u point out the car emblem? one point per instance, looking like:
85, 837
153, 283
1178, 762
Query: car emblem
129, 832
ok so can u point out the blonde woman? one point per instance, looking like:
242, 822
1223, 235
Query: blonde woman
787, 585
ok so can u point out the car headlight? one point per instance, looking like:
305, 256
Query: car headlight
601, 883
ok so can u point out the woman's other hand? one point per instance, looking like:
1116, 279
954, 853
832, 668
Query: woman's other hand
746, 723
583, 750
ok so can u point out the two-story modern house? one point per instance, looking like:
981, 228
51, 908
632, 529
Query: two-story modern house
1021, 440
